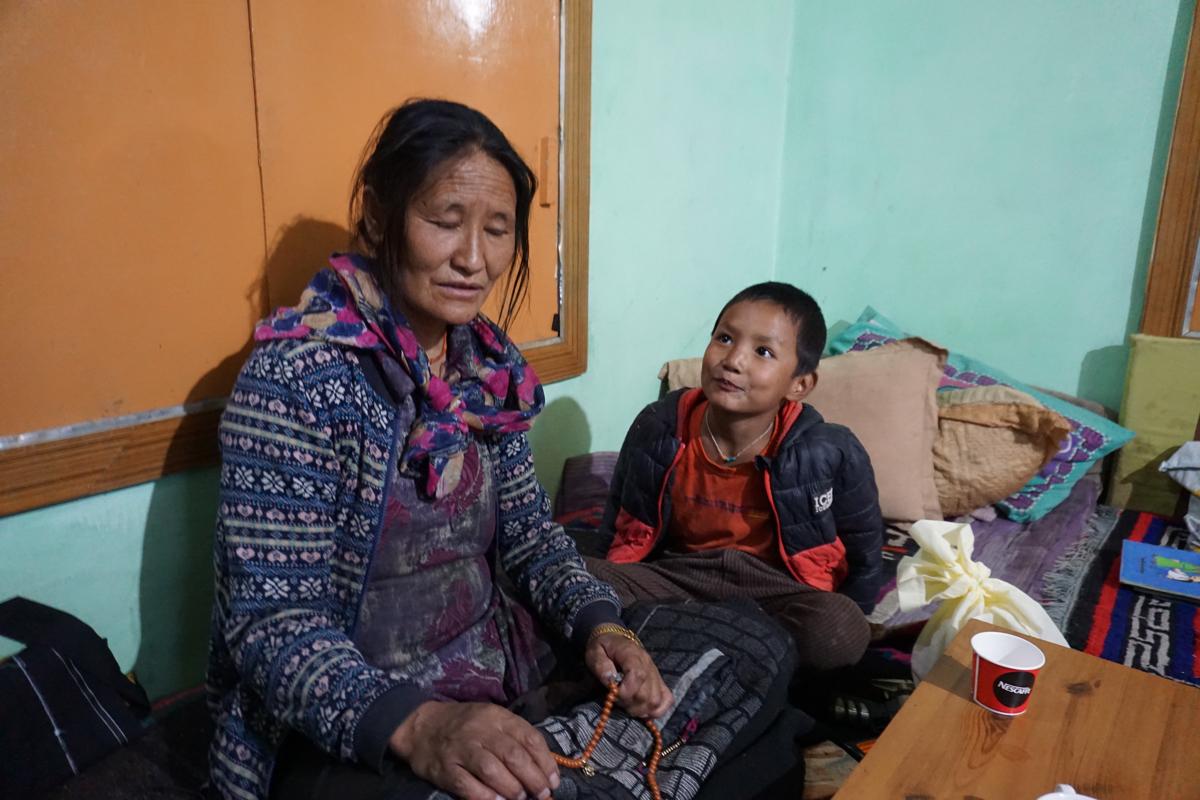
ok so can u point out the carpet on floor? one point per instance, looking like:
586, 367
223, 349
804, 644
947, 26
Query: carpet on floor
1120, 624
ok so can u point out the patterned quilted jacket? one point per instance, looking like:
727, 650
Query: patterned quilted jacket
306, 443
820, 485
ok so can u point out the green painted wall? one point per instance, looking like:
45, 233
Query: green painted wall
874, 152
986, 174
135, 564
688, 102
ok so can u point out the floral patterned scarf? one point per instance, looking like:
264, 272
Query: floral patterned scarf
497, 393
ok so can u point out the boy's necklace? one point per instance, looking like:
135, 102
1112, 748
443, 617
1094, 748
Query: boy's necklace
738, 454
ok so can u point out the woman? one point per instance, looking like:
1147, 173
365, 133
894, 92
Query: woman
375, 476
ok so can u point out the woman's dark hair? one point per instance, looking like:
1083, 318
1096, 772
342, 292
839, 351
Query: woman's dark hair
800, 308
409, 145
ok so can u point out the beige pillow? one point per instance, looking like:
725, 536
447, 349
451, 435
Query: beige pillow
680, 373
991, 441
888, 397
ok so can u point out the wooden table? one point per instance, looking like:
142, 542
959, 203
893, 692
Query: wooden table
1110, 731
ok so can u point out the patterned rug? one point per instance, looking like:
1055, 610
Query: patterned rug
1129, 627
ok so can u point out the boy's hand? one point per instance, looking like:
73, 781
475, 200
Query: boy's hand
643, 693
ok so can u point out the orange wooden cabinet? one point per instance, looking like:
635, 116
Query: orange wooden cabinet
174, 170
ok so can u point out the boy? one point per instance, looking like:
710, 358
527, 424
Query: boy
738, 489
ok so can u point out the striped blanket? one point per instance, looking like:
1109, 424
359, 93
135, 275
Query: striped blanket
1129, 627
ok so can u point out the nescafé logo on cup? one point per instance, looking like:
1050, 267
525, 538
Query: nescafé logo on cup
1012, 689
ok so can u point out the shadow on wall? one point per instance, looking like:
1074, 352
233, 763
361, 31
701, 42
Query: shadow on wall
559, 432
175, 588
299, 251
1103, 372
1151, 490
176, 585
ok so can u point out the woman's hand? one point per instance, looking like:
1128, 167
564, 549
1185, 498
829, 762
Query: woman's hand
643, 693
476, 751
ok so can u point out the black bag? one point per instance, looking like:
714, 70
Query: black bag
64, 703
728, 666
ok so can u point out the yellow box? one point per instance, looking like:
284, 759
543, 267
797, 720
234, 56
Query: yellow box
1162, 406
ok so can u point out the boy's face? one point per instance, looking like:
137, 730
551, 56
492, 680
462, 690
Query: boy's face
750, 363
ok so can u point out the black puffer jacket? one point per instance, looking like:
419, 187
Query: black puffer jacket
820, 485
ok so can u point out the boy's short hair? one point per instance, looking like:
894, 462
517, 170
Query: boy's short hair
801, 308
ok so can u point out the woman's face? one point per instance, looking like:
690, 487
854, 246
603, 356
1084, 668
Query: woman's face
460, 234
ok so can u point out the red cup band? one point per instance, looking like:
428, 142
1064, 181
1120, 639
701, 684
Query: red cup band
1002, 690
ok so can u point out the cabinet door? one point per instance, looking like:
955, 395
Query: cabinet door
176, 169
324, 78
130, 218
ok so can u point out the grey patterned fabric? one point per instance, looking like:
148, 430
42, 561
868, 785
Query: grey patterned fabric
722, 663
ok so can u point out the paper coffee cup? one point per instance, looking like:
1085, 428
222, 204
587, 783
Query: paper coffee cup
1003, 670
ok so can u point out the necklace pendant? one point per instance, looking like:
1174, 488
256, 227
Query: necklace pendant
588, 770
729, 460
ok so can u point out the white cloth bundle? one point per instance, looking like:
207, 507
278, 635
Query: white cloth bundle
943, 570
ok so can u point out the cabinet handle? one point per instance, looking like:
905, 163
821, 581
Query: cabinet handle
544, 173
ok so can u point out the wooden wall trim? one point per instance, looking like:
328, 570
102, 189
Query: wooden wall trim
51, 472
567, 357
40, 474
1178, 232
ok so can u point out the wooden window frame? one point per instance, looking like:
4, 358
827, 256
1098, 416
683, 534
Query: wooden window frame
74, 466
1170, 283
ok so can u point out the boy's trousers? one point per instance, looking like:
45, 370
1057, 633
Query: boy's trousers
829, 629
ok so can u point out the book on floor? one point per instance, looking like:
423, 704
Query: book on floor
1161, 570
